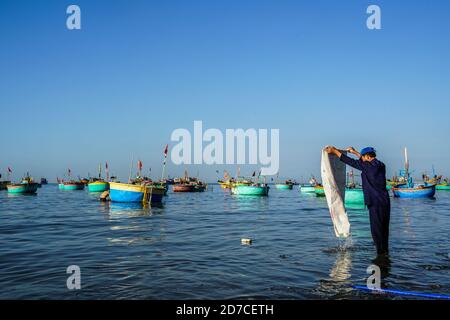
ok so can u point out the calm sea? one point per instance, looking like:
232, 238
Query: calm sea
190, 248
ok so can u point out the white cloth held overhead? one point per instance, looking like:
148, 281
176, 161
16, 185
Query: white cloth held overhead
334, 179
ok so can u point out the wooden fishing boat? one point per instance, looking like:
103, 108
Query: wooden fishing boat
320, 192
251, 190
354, 196
73, 185
132, 193
98, 186
185, 187
414, 191
307, 188
27, 186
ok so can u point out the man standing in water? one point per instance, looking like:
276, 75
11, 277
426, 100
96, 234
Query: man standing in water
376, 196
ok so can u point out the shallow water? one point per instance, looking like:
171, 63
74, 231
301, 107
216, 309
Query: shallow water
190, 248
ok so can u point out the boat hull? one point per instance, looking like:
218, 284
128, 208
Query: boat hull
354, 196
320, 192
284, 186
442, 187
70, 186
184, 188
98, 186
130, 193
23, 188
250, 190
307, 189
403, 191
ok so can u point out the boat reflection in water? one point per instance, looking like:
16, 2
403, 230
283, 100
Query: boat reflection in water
134, 224
130, 209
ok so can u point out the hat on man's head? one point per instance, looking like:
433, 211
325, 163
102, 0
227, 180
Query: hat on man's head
367, 150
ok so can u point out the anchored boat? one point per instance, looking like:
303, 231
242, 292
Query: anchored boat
27, 186
414, 191
73, 185
257, 189
354, 196
98, 186
320, 192
307, 188
132, 193
410, 189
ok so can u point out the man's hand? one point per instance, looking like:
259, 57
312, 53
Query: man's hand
329, 149
333, 150
352, 150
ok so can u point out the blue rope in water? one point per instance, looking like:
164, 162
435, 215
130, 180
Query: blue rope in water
405, 293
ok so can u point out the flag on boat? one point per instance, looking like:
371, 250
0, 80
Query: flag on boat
166, 149
9, 170
140, 165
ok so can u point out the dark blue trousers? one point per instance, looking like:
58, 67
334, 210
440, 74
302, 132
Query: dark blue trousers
379, 226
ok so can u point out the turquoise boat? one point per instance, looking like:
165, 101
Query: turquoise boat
61, 186
252, 190
98, 186
132, 193
283, 186
73, 185
319, 191
307, 188
354, 196
443, 186
27, 186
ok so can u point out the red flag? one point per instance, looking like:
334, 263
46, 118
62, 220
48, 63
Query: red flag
9, 170
140, 165
166, 149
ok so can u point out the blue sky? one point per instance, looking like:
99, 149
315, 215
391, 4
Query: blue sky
137, 70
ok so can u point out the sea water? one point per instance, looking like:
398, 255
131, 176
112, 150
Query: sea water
190, 248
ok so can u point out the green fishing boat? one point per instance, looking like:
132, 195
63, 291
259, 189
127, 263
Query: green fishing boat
354, 196
252, 190
73, 185
307, 188
27, 186
320, 192
98, 186
284, 186
443, 186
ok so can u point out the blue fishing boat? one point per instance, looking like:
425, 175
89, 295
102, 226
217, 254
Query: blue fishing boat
411, 189
126, 192
414, 191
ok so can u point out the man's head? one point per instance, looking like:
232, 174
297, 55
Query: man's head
368, 154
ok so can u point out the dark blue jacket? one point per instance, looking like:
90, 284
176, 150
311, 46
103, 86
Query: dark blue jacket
373, 176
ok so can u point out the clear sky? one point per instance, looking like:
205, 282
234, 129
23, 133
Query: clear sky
137, 70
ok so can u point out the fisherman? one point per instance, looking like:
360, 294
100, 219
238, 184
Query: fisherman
376, 196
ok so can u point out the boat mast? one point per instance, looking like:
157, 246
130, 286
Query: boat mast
131, 170
406, 166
